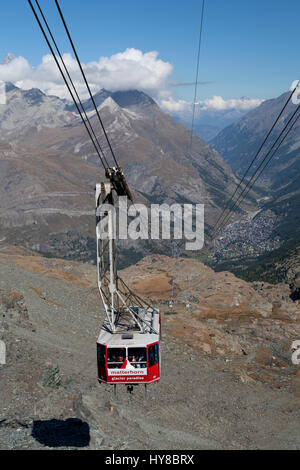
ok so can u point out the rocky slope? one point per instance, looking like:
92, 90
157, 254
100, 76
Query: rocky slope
239, 142
216, 301
227, 377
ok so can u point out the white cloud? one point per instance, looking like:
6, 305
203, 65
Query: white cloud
17, 67
175, 106
216, 103
131, 69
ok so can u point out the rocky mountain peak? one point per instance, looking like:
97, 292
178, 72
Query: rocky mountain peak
124, 99
10, 87
8, 58
34, 96
128, 98
110, 104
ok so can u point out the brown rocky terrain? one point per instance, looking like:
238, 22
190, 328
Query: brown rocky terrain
227, 376
250, 326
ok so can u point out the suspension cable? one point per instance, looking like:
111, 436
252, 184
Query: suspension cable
260, 165
197, 73
85, 80
65, 80
216, 226
273, 154
72, 83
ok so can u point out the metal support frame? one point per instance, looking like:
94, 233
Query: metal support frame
117, 298
106, 252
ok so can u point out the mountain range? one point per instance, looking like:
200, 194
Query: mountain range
49, 168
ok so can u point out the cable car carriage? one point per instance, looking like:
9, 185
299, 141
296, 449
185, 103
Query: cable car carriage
130, 355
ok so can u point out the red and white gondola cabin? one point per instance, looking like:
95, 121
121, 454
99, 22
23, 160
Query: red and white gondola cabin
130, 357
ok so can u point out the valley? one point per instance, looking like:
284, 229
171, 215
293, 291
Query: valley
279, 184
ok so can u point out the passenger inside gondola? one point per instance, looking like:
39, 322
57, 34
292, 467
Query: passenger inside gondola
115, 357
137, 357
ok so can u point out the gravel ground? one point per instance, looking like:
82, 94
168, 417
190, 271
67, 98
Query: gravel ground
50, 397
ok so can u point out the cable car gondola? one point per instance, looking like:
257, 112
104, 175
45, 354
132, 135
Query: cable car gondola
129, 355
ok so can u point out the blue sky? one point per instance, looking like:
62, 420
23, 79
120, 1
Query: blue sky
250, 47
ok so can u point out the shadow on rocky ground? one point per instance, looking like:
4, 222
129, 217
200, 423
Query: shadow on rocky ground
62, 433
